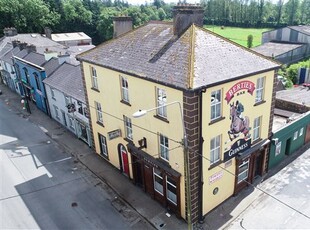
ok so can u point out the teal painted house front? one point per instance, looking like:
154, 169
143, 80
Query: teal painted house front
289, 138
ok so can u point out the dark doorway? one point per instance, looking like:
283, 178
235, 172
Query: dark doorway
258, 166
148, 179
288, 146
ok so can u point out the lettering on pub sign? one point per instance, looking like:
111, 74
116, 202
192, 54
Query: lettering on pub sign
239, 146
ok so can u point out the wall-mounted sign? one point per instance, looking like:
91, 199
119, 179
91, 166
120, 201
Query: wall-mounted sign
242, 85
114, 134
215, 177
239, 146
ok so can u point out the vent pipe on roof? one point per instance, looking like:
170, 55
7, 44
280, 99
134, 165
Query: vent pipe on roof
9, 32
48, 32
184, 15
121, 25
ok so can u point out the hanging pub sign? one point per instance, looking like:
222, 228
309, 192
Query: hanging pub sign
240, 86
114, 134
239, 146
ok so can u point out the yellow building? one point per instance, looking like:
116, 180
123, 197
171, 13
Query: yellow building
185, 75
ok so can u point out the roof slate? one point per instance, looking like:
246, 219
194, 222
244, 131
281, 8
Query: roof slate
154, 53
68, 79
305, 29
299, 95
50, 66
35, 58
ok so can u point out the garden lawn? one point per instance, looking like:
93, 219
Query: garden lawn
239, 35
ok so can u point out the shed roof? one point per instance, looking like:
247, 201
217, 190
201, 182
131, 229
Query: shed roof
198, 58
68, 79
70, 36
275, 49
305, 29
298, 95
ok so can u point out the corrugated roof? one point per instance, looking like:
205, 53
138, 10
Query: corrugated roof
305, 29
275, 49
68, 79
154, 53
70, 36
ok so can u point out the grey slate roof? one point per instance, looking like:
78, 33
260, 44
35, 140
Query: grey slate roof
299, 95
198, 58
50, 66
305, 29
68, 79
275, 49
8, 47
23, 53
35, 58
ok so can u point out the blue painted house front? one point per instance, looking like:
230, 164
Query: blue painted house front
31, 76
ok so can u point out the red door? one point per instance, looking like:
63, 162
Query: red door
125, 161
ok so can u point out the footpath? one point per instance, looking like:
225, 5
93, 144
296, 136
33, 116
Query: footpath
130, 196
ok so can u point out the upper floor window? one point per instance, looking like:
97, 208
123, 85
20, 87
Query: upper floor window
27, 75
124, 88
67, 100
161, 102
56, 112
260, 89
164, 147
216, 104
94, 78
215, 149
80, 107
53, 93
128, 127
36, 77
99, 112
256, 128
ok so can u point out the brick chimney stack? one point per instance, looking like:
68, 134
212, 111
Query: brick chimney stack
48, 32
9, 32
121, 25
185, 15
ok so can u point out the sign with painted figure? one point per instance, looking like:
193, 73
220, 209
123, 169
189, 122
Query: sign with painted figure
239, 128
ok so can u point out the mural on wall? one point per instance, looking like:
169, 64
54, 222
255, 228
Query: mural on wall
239, 129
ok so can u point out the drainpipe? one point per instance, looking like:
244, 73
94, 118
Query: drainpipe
200, 178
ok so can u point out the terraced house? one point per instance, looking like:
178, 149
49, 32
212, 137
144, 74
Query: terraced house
181, 74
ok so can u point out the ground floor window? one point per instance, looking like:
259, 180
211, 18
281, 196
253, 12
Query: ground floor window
171, 190
243, 171
103, 145
158, 181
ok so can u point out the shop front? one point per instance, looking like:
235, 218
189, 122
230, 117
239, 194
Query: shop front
156, 178
250, 165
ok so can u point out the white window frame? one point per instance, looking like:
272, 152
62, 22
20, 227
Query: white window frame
295, 135
128, 127
164, 147
103, 145
158, 187
67, 100
216, 104
259, 95
278, 148
94, 78
301, 132
246, 171
56, 112
161, 100
169, 192
99, 112
53, 93
257, 128
124, 89
215, 149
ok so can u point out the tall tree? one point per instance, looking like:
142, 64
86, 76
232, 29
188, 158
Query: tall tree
279, 11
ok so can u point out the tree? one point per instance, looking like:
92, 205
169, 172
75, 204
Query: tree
250, 41
292, 12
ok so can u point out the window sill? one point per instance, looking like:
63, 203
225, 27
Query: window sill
95, 89
256, 141
99, 123
54, 98
161, 118
216, 120
104, 156
215, 164
125, 102
259, 103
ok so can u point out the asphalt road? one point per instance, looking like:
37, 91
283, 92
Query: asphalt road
287, 204
42, 187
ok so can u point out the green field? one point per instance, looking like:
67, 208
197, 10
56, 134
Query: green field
239, 35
